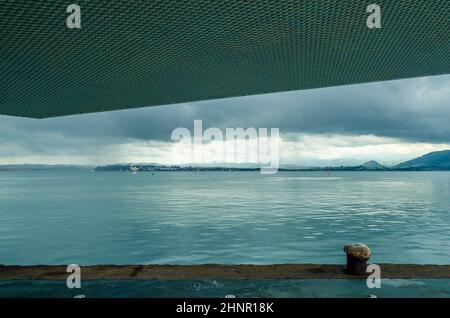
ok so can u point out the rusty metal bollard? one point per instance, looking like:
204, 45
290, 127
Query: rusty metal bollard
357, 256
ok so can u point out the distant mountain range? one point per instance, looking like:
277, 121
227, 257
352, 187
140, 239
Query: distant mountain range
433, 161
438, 160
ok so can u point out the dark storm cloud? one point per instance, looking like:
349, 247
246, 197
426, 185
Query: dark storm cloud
412, 110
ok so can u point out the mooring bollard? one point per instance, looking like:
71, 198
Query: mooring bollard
357, 256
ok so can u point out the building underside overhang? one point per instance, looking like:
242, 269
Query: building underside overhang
131, 54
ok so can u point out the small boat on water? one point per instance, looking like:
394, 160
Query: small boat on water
134, 170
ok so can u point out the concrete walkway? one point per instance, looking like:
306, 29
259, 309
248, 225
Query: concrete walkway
221, 272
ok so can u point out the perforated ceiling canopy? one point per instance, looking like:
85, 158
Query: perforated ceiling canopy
142, 53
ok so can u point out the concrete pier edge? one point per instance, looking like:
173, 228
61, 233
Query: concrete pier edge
220, 271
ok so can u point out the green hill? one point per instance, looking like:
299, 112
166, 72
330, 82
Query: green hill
438, 160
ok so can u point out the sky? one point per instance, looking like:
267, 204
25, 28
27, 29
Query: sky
387, 121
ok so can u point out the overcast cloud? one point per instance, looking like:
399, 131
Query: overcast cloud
389, 121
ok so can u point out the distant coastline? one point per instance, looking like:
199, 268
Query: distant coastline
155, 168
433, 161
45, 167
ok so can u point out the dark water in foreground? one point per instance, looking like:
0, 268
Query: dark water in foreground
309, 288
222, 217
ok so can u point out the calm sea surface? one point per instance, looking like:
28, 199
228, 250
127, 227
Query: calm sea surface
222, 217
